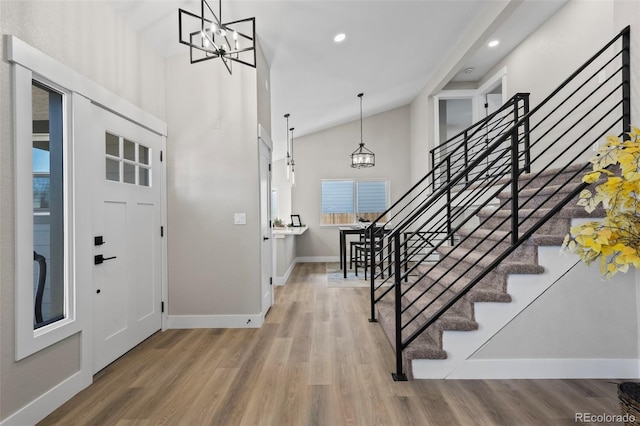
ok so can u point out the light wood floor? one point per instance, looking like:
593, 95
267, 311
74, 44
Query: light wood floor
316, 361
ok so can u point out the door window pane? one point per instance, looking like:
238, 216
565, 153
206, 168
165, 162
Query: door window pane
143, 155
129, 173
112, 145
48, 206
129, 150
113, 170
143, 177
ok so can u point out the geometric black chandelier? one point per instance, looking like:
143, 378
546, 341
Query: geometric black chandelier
362, 157
210, 38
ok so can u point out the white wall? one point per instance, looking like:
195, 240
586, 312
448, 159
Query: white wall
326, 155
580, 317
91, 39
212, 152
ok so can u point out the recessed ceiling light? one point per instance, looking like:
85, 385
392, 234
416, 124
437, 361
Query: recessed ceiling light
340, 38
494, 43
468, 70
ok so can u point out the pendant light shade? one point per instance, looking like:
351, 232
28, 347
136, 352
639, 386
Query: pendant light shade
362, 157
293, 163
288, 145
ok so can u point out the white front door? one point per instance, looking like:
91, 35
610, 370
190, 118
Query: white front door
265, 227
127, 271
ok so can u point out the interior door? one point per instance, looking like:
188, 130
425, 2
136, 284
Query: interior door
265, 227
127, 274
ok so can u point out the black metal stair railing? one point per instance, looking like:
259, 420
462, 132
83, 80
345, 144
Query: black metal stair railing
444, 161
425, 265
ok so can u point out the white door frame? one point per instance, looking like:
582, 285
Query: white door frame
476, 95
264, 142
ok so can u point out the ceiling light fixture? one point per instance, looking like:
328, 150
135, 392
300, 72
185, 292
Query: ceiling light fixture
494, 43
468, 70
210, 38
293, 163
340, 38
362, 157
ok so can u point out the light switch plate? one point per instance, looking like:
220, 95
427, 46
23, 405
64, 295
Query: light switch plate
239, 218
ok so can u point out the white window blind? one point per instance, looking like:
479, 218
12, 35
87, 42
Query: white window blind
346, 202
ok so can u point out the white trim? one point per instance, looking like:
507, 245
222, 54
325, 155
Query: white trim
283, 280
548, 369
27, 340
164, 240
214, 321
42, 406
22, 53
317, 259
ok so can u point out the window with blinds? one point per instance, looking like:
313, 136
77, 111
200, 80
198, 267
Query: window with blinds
346, 202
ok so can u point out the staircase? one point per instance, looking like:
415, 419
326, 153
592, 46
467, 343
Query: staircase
497, 195
478, 249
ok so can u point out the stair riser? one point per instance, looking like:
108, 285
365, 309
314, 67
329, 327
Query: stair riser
525, 251
561, 179
491, 281
554, 226
461, 308
545, 200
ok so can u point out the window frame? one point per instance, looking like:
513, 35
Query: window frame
30, 340
354, 182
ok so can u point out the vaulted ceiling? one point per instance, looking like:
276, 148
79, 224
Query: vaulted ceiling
391, 51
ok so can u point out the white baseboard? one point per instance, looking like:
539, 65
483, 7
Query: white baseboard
214, 321
317, 259
283, 280
546, 369
45, 404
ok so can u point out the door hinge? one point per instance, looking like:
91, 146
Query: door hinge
162, 231
269, 166
160, 155
486, 105
271, 280
162, 307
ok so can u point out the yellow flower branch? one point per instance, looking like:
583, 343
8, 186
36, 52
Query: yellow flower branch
614, 241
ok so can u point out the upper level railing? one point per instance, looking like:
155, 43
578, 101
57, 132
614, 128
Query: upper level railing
428, 225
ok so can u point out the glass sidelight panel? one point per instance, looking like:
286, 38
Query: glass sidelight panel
48, 206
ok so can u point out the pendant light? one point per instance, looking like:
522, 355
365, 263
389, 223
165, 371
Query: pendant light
293, 163
286, 130
210, 38
362, 157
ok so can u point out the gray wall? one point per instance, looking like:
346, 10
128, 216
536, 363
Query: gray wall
326, 155
212, 173
91, 39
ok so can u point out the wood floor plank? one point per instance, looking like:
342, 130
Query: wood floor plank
315, 361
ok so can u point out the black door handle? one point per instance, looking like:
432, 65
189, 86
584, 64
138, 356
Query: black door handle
98, 259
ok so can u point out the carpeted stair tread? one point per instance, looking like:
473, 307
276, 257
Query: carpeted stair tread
504, 236
471, 256
565, 212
